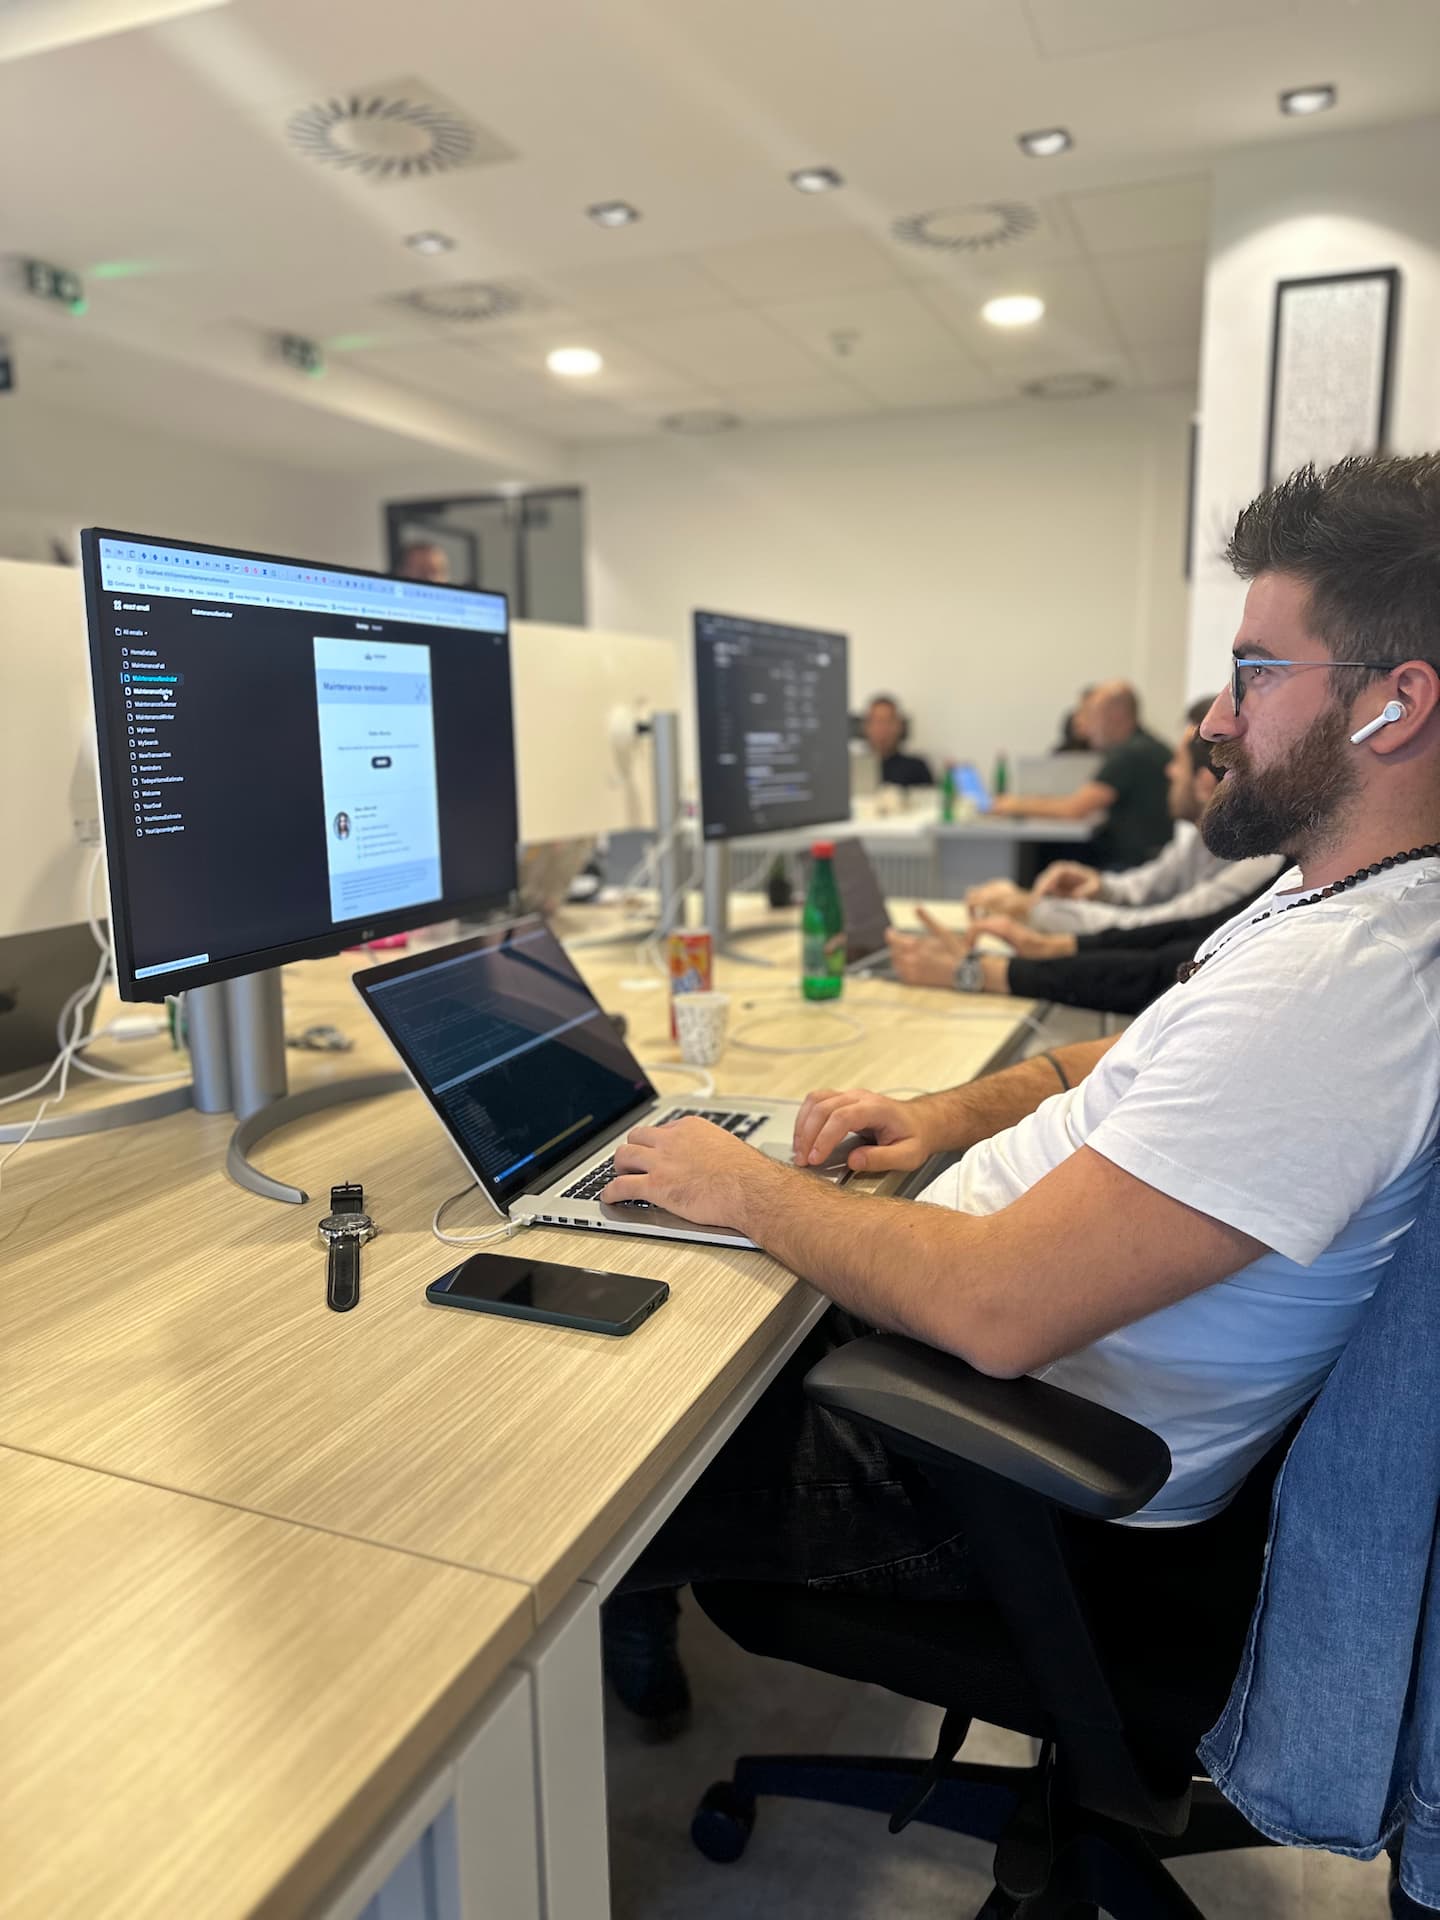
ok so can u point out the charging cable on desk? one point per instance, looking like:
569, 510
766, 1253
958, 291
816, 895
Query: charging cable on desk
814, 1011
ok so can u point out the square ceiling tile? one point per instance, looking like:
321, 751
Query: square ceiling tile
1156, 298
864, 331
1162, 213
1171, 366
954, 382
1076, 323
802, 400
645, 287
1065, 28
799, 266
723, 349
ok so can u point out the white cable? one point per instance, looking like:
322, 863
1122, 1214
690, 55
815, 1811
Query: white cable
705, 1091
817, 1012
61, 1063
502, 1231
118, 1073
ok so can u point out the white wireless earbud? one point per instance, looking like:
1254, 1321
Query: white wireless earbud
1392, 711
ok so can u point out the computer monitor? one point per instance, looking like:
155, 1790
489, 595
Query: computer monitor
293, 758
773, 704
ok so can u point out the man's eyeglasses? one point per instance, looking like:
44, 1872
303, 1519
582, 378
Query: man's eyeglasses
1239, 665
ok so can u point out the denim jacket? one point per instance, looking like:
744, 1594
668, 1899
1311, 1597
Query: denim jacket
1331, 1735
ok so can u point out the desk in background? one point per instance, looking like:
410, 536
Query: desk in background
160, 1325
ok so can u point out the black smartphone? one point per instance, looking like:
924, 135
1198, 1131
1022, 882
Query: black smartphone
560, 1296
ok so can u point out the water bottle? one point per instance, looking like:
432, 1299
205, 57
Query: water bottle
1002, 775
822, 966
947, 794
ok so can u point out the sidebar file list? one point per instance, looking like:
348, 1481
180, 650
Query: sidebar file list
152, 697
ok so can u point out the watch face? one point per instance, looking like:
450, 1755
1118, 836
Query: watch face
347, 1226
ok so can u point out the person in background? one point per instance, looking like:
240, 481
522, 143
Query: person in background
1118, 969
1129, 787
1072, 734
424, 560
886, 728
1184, 882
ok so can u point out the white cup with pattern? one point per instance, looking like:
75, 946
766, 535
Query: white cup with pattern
700, 1022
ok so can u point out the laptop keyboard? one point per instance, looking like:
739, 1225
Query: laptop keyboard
591, 1185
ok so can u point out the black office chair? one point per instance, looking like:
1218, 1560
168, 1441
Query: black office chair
1117, 1677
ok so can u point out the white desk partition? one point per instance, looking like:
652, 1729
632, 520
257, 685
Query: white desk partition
578, 696
49, 799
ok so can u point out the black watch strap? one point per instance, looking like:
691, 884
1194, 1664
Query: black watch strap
348, 1199
342, 1271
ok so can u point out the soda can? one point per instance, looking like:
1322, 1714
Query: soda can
691, 965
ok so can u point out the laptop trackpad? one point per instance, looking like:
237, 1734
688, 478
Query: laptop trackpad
833, 1169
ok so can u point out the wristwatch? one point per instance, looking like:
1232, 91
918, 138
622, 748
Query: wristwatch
969, 974
345, 1229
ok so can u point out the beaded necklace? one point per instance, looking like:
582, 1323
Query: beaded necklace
1192, 967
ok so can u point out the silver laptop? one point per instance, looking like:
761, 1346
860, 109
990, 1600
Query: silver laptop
536, 1089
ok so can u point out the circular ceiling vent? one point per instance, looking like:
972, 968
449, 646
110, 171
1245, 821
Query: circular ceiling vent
701, 420
977, 229
384, 137
1067, 386
469, 302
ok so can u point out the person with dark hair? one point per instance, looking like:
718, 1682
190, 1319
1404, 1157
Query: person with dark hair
1073, 738
424, 560
1184, 1222
1185, 881
886, 729
1128, 787
1111, 969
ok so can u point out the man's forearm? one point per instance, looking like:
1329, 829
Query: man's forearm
958, 1118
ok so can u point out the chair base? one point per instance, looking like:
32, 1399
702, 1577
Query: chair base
1099, 1866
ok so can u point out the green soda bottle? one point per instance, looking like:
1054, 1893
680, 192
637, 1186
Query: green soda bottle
947, 794
1002, 775
822, 967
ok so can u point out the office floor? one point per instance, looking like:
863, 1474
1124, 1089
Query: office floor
823, 1863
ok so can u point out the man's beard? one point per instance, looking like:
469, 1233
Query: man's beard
1287, 808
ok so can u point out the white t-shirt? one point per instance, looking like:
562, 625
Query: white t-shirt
1291, 1090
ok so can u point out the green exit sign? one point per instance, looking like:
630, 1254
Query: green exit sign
304, 354
55, 283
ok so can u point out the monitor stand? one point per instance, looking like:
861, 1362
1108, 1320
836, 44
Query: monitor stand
664, 730
255, 1017
716, 908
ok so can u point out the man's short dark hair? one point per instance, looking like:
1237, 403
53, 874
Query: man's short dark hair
1364, 538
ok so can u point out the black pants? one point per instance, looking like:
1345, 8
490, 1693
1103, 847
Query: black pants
798, 1496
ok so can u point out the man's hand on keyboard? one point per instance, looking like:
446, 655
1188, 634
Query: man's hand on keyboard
693, 1168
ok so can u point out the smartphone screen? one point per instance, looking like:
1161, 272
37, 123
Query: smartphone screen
536, 1290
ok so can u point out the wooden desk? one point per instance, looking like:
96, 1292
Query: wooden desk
160, 1324
206, 1712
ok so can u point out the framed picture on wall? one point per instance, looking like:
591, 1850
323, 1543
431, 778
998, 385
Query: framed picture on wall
1330, 368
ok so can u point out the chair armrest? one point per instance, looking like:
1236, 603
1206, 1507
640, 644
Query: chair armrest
940, 1410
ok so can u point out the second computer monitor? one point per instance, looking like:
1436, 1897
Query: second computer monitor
772, 703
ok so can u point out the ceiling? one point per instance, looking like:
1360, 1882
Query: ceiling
155, 161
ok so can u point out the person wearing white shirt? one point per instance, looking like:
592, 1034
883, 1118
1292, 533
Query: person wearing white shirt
1185, 880
1183, 1223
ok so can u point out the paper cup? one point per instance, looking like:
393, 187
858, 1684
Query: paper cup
700, 1021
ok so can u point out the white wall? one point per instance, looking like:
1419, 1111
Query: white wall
985, 562
61, 470
1323, 205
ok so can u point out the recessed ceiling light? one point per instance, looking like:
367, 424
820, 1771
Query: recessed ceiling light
613, 213
1013, 310
701, 420
575, 363
1045, 144
430, 242
1307, 100
1067, 386
816, 180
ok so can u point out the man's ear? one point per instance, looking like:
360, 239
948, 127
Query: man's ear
1417, 685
